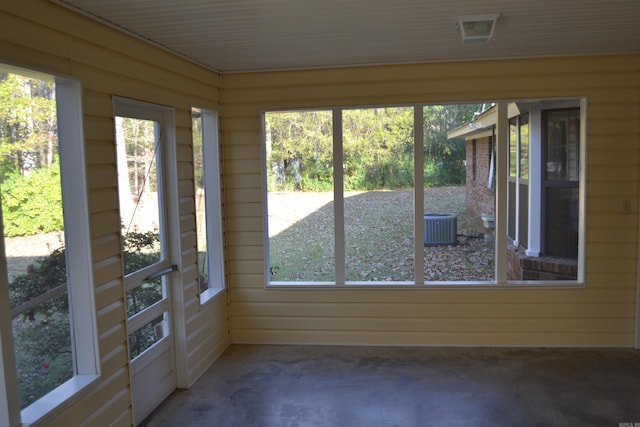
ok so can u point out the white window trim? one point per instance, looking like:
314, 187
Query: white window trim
80, 276
213, 206
501, 150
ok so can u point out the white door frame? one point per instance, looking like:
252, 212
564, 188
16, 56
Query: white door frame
143, 404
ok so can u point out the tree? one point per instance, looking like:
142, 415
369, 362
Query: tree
28, 127
444, 159
377, 148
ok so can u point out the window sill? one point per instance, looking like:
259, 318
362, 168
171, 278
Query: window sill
209, 295
522, 284
56, 400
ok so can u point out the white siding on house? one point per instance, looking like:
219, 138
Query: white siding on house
600, 314
40, 35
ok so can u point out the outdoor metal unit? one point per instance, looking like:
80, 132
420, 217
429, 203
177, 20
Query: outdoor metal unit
440, 229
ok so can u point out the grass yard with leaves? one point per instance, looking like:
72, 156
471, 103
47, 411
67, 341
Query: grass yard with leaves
378, 237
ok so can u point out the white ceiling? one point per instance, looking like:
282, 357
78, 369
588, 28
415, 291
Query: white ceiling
246, 35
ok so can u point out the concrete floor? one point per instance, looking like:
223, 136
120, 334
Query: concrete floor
257, 385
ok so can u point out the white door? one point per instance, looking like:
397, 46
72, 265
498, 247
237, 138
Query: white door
147, 254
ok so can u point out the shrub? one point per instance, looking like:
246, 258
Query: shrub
32, 203
42, 334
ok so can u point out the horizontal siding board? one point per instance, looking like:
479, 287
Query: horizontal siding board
101, 399
403, 338
106, 246
107, 270
108, 292
101, 152
103, 200
610, 294
100, 128
114, 360
470, 326
131, 67
105, 223
101, 176
32, 35
568, 66
112, 338
435, 311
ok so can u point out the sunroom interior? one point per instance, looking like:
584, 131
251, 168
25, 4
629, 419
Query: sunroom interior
196, 79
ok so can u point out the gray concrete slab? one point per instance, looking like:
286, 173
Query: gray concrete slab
267, 385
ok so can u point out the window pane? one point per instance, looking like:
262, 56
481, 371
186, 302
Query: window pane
299, 169
33, 235
561, 185
524, 147
561, 231
458, 243
513, 146
201, 211
378, 178
563, 137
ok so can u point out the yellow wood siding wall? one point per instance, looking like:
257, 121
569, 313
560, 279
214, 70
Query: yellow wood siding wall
600, 314
40, 35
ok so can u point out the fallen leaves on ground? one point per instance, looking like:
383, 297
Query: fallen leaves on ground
378, 238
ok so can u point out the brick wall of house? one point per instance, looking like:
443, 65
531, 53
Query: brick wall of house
523, 267
480, 198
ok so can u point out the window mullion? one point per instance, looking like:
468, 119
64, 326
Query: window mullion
517, 185
338, 198
502, 173
418, 196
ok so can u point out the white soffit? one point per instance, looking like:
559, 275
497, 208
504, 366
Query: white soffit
248, 35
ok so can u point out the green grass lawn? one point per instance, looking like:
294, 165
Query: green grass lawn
378, 238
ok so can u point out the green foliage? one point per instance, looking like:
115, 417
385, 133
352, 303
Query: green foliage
43, 346
28, 126
140, 249
377, 148
42, 334
43, 275
32, 203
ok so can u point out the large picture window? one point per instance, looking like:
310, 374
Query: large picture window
405, 196
47, 283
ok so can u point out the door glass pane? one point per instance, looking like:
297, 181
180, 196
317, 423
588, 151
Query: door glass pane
140, 200
34, 238
144, 296
148, 335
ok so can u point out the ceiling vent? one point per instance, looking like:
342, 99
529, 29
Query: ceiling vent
477, 28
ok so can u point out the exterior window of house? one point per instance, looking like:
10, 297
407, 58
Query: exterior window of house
518, 186
561, 182
544, 189
208, 203
523, 179
513, 177
474, 167
47, 291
